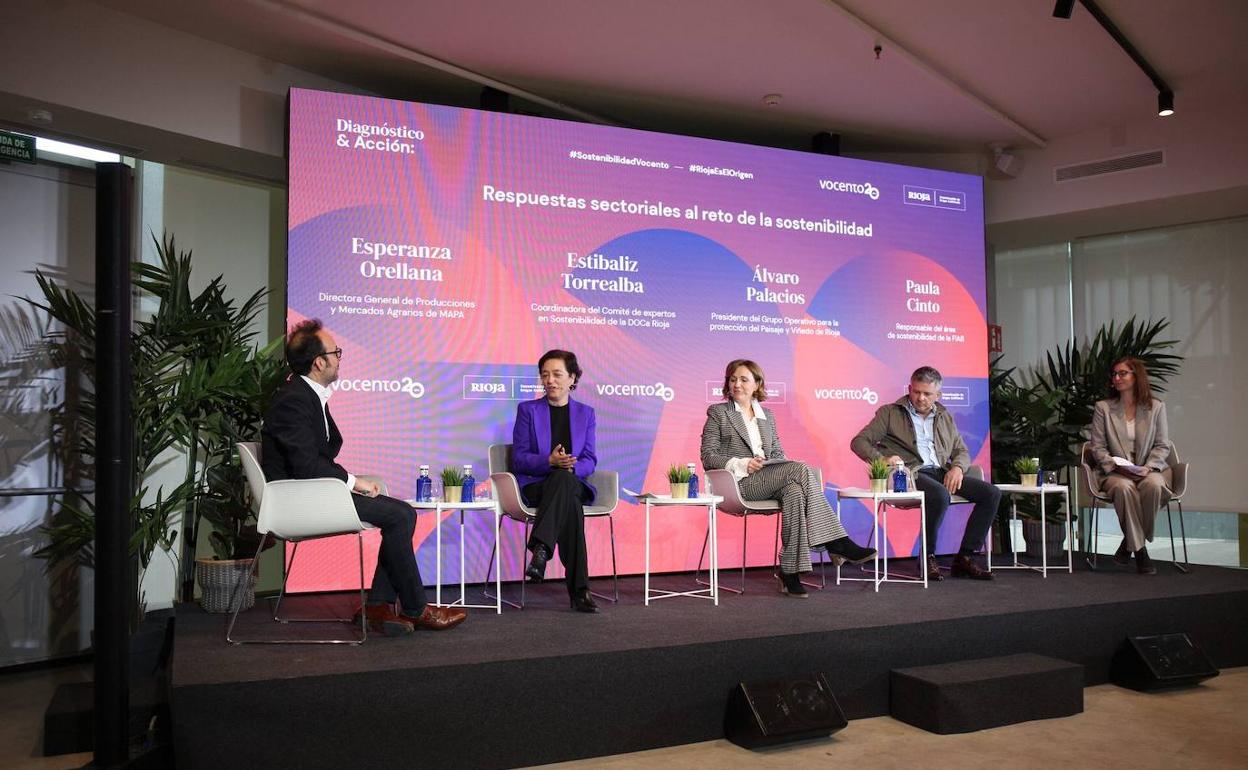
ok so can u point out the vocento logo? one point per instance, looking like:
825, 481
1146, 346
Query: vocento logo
407, 385
847, 394
657, 390
857, 188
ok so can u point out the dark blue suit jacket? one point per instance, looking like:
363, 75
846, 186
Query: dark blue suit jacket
530, 441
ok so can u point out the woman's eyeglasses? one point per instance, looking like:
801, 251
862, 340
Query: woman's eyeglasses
1118, 374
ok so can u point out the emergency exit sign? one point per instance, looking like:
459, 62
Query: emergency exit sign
17, 147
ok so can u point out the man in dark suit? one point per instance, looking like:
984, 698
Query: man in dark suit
301, 440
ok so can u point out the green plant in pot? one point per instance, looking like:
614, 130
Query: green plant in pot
1028, 468
198, 385
678, 477
452, 485
877, 471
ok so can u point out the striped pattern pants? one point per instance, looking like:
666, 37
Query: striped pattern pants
806, 518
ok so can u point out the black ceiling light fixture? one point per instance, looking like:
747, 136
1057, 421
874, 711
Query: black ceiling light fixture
1165, 103
1165, 94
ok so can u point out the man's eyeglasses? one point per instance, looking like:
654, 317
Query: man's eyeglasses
336, 353
1120, 373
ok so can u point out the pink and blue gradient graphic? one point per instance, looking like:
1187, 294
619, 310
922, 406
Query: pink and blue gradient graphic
443, 324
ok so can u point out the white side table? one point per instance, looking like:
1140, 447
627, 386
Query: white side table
1013, 490
709, 502
879, 513
437, 506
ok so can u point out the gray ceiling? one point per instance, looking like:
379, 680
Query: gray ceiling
952, 75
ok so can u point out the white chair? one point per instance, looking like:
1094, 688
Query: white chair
1091, 486
295, 510
511, 503
721, 482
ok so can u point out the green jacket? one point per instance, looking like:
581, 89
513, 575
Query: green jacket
891, 432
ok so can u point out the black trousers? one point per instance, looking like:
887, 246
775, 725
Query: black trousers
986, 497
560, 501
397, 575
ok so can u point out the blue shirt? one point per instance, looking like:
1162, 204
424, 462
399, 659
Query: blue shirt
925, 434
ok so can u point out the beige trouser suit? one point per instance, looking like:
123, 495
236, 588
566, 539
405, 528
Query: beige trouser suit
1135, 500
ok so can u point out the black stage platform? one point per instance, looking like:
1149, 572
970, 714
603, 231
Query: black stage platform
546, 684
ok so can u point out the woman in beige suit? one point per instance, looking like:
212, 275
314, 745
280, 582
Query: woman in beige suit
1130, 444
740, 436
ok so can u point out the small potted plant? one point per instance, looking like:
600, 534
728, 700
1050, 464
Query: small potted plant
877, 471
1028, 468
678, 476
452, 485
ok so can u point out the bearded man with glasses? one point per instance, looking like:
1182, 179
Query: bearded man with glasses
300, 440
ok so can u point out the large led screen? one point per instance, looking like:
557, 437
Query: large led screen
446, 249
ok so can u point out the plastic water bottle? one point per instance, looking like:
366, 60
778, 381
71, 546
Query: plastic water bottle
1039, 472
469, 485
900, 478
693, 480
424, 486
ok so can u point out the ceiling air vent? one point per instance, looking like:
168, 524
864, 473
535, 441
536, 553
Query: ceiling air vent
1109, 166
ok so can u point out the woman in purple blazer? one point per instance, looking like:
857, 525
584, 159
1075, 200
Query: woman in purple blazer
552, 455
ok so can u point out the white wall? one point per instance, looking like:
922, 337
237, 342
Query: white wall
1204, 153
100, 61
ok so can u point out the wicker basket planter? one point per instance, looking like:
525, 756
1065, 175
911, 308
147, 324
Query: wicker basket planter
1056, 534
217, 579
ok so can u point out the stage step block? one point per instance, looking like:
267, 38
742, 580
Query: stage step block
978, 694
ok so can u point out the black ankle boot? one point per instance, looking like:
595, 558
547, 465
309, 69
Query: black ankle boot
536, 571
1144, 563
791, 584
846, 550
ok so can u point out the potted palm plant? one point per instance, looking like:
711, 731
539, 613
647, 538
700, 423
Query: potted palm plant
877, 471
198, 385
678, 478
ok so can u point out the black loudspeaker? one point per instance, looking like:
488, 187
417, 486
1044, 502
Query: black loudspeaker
826, 143
782, 710
1157, 662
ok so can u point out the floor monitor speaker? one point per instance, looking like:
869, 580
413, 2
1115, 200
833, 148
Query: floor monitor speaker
782, 710
1157, 662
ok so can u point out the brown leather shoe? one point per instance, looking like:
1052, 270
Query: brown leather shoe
384, 620
965, 566
933, 570
437, 618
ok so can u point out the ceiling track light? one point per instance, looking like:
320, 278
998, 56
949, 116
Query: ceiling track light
1165, 103
1165, 94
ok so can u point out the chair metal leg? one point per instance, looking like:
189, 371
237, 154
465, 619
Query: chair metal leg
485, 588
745, 538
615, 574
1185, 566
281, 594
1090, 556
236, 602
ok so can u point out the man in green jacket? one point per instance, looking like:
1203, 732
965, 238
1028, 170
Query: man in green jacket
920, 432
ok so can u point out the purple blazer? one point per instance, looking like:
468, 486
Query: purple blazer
530, 442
